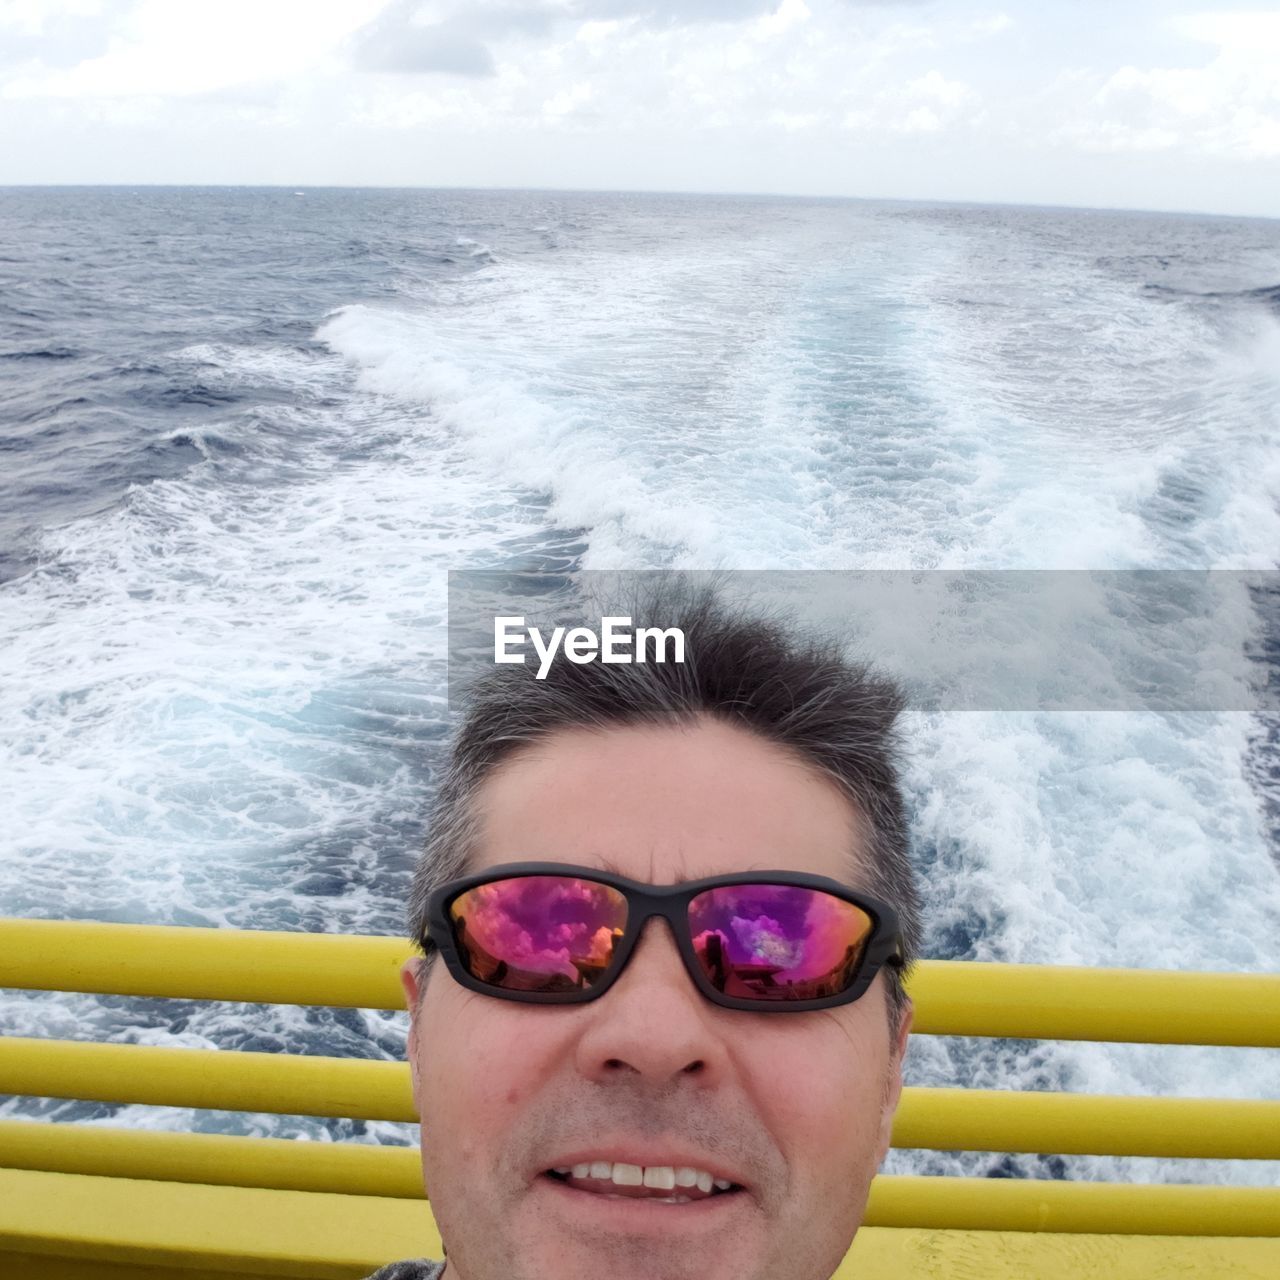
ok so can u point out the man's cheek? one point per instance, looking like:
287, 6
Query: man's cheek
833, 1110
453, 1151
802, 1104
463, 1106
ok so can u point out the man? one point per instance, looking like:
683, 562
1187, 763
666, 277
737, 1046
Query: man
701, 1094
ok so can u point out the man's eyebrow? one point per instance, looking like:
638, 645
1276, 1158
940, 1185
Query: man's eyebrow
608, 864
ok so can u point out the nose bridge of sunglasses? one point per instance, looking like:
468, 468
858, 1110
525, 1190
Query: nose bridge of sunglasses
654, 941
656, 936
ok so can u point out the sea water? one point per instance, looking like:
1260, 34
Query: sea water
244, 434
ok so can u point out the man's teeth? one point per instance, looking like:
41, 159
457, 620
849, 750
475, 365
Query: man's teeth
661, 1177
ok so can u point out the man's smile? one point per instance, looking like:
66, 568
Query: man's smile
638, 1210
665, 1183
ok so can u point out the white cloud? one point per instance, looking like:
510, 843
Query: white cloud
934, 86
655, 63
810, 94
385, 108
175, 49
793, 122
787, 15
34, 16
1228, 107
926, 104
597, 33
567, 101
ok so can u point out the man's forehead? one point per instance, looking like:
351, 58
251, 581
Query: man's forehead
667, 804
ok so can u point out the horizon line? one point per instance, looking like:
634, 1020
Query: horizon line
636, 191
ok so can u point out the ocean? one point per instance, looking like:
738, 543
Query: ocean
244, 433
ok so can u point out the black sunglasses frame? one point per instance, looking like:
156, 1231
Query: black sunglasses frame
671, 903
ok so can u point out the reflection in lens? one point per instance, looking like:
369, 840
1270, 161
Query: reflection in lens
538, 933
777, 942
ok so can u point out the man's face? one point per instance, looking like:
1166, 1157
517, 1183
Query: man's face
795, 1107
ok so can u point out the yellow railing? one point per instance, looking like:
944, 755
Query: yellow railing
1024, 1001
347, 1168
940, 1119
953, 998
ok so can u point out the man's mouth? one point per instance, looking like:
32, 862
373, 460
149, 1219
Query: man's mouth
665, 1184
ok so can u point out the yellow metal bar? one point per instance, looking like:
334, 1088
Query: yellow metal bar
256, 966
238, 1230
1087, 1124
293, 1084
353, 1169
126, 1219
341, 1168
1011, 1204
1053, 1002
942, 1119
878, 1251
952, 997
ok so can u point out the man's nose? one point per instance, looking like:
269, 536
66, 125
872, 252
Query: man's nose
652, 1025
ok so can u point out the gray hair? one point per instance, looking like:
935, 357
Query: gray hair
793, 688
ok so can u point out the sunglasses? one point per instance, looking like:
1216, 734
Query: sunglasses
550, 933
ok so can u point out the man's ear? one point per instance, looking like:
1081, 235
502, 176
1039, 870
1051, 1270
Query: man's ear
905, 1018
893, 1083
411, 980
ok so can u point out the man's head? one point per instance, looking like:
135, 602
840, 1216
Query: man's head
760, 753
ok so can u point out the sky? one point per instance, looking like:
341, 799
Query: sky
1127, 104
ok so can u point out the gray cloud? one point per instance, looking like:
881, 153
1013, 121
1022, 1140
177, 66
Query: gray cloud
460, 43
393, 41
66, 40
440, 47
675, 12
686, 12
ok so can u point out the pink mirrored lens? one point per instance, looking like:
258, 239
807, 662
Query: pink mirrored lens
775, 942
538, 933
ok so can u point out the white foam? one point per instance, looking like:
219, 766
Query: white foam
223, 671
818, 407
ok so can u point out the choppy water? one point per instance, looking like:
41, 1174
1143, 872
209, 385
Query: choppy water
244, 433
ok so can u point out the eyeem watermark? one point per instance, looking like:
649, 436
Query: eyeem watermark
615, 642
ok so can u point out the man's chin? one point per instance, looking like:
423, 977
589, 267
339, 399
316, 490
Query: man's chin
585, 1235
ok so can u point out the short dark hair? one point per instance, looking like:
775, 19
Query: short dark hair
790, 686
